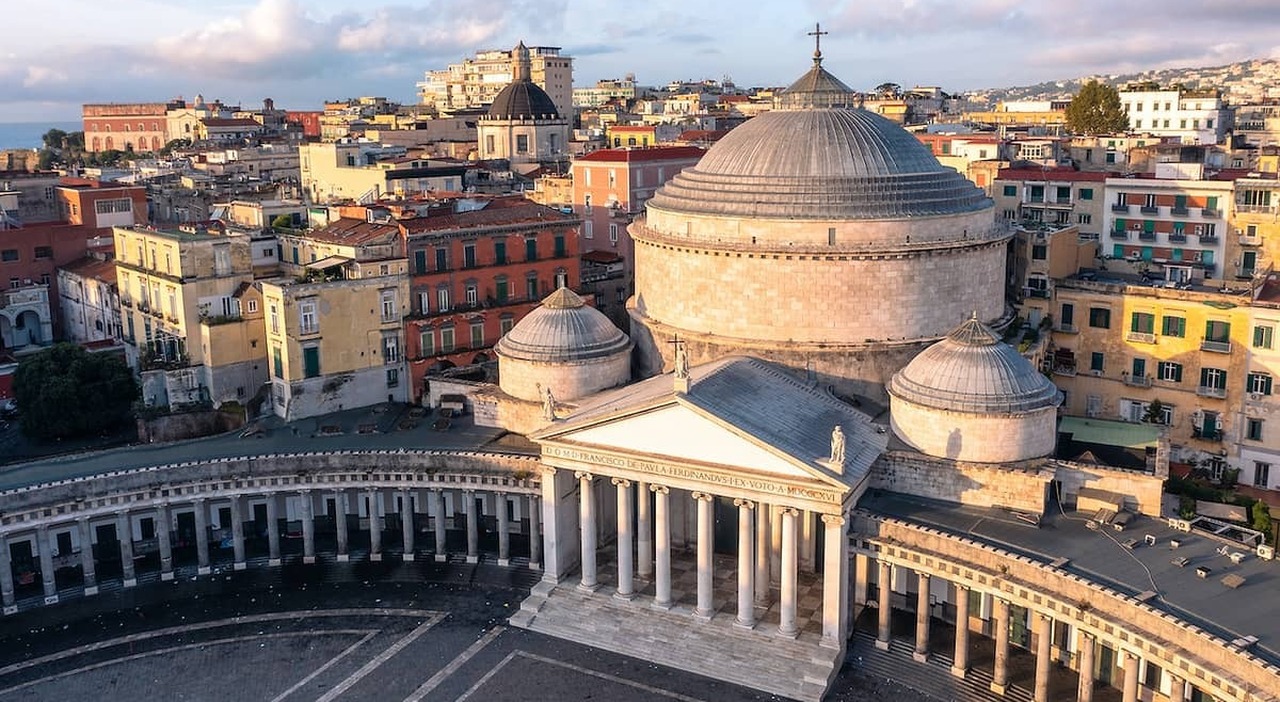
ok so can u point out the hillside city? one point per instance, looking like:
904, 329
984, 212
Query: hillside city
411, 281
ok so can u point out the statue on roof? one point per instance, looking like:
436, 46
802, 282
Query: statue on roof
548, 404
837, 445
682, 360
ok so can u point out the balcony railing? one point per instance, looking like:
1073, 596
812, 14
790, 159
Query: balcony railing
1246, 240
1120, 236
1215, 346
1210, 213
126, 302
1142, 337
1146, 209
1206, 434
1068, 371
1038, 292
1179, 211
1067, 329
1209, 239
1207, 391
1146, 236
1245, 272
1177, 238
1122, 209
1137, 381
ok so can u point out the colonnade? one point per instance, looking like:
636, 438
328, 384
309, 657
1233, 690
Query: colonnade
768, 541
334, 503
1041, 623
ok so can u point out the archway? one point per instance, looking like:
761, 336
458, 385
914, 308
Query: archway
28, 329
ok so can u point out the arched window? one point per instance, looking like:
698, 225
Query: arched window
107, 129
97, 144
155, 143
110, 144
128, 128
142, 127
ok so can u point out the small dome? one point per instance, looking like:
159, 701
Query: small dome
971, 370
817, 88
562, 329
523, 99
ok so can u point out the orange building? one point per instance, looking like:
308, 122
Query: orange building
476, 269
139, 127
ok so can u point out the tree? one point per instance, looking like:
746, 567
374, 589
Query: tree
54, 139
1155, 413
888, 90
282, 221
1096, 110
65, 391
1262, 518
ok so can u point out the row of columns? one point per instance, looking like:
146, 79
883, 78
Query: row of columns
164, 540
755, 546
1043, 629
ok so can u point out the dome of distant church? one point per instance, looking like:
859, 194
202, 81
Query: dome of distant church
564, 345
972, 397
523, 99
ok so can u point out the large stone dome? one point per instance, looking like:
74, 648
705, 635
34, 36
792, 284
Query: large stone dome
562, 329
847, 164
971, 370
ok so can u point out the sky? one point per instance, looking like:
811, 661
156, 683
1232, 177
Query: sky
60, 54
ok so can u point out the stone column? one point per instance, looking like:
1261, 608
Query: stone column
626, 583
1044, 641
790, 564
587, 524
47, 579
273, 530
746, 565
124, 532
6, 578
201, 514
1177, 689
1000, 620
861, 579
535, 532
921, 652
308, 528
342, 530
473, 527
885, 589
662, 547
1129, 690
406, 524
237, 531
375, 526
437, 506
163, 536
762, 555
644, 532
706, 554
1088, 648
504, 529
835, 582
87, 563
960, 659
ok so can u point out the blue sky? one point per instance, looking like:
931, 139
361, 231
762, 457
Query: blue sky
60, 54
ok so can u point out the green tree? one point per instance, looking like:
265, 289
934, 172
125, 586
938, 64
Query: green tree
1155, 413
65, 391
54, 139
1096, 110
282, 221
1262, 518
888, 90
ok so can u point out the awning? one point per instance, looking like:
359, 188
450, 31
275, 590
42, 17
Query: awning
328, 262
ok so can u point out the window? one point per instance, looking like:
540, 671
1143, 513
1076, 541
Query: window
1152, 676
477, 335
500, 252
391, 349
1213, 378
531, 286
1039, 252
311, 362
1010, 191
559, 242
442, 299
1253, 429
420, 261
277, 362
251, 305
1096, 362
1068, 317
274, 314
1143, 323
44, 252
387, 299
9, 255
1217, 331
501, 289
393, 377
562, 278
489, 144
1261, 474
469, 256
1100, 317
586, 200
1086, 193
116, 206
530, 249
308, 323
1139, 368
472, 293
446, 340
1262, 336
1083, 218
522, 143
1174, 326
1259, 383
505, 323
1169, 371
588, 230
442, 259
613, 233
426, 343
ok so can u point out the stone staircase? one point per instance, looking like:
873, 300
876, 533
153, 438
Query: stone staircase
798, 669
932, 678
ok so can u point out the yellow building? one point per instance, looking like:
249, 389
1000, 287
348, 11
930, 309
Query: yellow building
1257, 454
1255, 242
187, 314
335, 337
333, 172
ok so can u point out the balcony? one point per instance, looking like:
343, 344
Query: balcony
1209, 239
1064, 370
1041, 293
1120, 209
1146, 236
1137, 381
1210, 213
1246, 240
1177, 238
1206, 391
1120, 236
1179, 211
1215, 346
1067, 329
1149, 210
126, 302
1141, 337
1245, 272
1206, 434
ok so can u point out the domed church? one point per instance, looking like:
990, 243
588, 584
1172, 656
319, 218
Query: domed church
522, 125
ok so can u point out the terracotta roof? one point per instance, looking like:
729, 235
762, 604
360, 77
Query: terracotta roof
219, 122
353, 232
631, 128
499, 211
651, 153
703, 134
89, 267
1052, 174
601, 257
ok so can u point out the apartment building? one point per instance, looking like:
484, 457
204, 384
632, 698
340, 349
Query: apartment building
477, 80
1056, 196
1192, 116
350, 170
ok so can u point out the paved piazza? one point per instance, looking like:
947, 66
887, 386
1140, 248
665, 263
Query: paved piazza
357, 631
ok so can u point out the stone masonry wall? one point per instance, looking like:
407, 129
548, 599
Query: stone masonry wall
1020, 487
984, 438
568, 381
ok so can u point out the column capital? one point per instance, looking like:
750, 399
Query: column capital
1088, 636
833, 519
744, 503
789, 512
583, 475
704, 496
546, 469
923, 576
661, 489
465, 491
621, 482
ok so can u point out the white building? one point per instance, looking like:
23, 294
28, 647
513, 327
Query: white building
89, 301
1195, 117
477, 81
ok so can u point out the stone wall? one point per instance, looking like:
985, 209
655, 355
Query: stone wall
188, 425
1142, 491
337, 392
1021, 486
567, 380
982, 438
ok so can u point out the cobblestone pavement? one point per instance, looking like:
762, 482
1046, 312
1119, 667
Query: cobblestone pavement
327, 632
